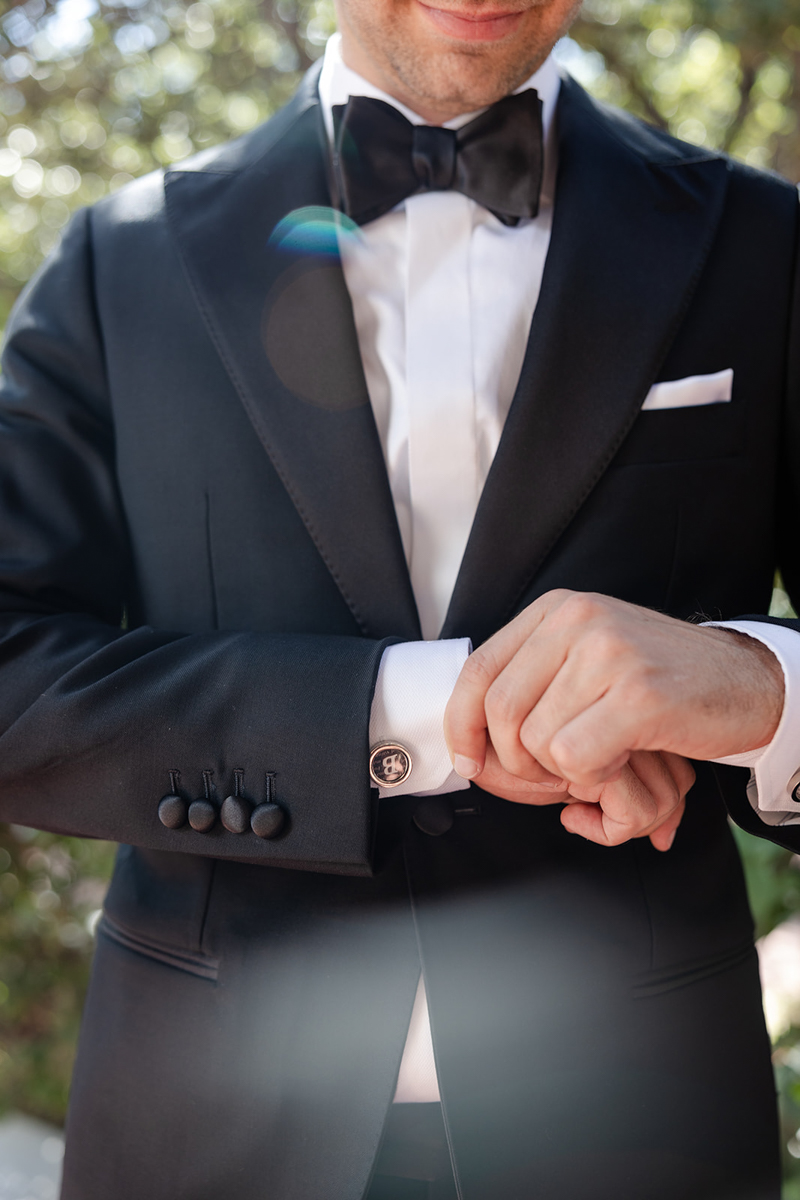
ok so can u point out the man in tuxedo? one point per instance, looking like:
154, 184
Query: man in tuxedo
443, 354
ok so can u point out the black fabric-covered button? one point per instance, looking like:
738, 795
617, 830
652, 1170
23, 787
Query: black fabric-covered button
267, 820
202, 815
235, 814
172, 812
434, 815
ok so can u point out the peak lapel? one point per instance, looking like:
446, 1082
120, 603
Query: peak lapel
634, 220
253, 225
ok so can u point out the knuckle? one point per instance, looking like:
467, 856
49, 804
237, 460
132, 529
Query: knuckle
672, 802
480, 669
654, 815
566, 763
555, 597
641, 690
579, 608
533, 740
667, 794
608, 644
570, 755
501, 705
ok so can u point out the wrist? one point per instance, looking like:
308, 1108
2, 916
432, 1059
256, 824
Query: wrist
759, 690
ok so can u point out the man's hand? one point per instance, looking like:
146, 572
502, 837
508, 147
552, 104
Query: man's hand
646, 799
578, 683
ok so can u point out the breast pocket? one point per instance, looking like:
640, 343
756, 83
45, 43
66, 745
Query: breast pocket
681, 434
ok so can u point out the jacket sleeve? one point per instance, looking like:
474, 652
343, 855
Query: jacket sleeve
94, 716
733, 781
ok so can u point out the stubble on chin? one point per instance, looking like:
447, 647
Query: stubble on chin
461, 78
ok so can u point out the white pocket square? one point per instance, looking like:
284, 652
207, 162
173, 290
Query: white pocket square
688, 393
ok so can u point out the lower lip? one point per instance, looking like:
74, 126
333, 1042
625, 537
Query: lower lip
491, 29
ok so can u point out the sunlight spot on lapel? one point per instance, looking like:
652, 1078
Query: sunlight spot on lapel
312, 230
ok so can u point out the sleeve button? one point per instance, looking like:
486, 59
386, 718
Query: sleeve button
202, 815
267, 820
172, 812
235, 814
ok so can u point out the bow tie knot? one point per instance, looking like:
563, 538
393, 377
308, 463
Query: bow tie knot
380, 158
433, 155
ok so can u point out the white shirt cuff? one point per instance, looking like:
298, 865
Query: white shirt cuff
772, 767
415, 681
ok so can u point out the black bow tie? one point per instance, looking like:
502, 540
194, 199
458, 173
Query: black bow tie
380, 158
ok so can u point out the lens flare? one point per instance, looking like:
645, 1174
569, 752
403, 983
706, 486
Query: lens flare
313, 230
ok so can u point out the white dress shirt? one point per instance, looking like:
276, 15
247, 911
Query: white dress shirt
443, 297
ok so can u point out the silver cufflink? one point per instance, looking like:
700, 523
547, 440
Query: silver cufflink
389, 765
793, 787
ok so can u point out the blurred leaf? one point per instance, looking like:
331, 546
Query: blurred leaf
94, 94
51, 890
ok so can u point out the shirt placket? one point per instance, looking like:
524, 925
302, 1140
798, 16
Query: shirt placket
442, 451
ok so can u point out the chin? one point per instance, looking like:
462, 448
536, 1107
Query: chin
469, 78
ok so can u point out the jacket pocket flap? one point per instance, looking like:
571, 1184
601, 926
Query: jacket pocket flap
201, 965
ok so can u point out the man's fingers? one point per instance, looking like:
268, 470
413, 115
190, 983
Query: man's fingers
663, 837
514, 693
630, 807
624, 679
465, 727
681, 770
590, 822
667, 778
587, 821
683, 774
545, 789
592, 746
465, 720
647, 800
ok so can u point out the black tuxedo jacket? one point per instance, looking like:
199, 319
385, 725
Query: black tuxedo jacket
200, 568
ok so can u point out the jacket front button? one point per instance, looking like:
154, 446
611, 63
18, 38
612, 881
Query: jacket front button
434, 815
172, 812
235, 814
202, 815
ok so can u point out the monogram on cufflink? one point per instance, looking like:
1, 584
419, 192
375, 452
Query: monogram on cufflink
389, 765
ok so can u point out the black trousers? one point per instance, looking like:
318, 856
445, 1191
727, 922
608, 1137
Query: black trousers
414, 1159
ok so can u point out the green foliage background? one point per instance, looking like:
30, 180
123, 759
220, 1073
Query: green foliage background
96, 92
